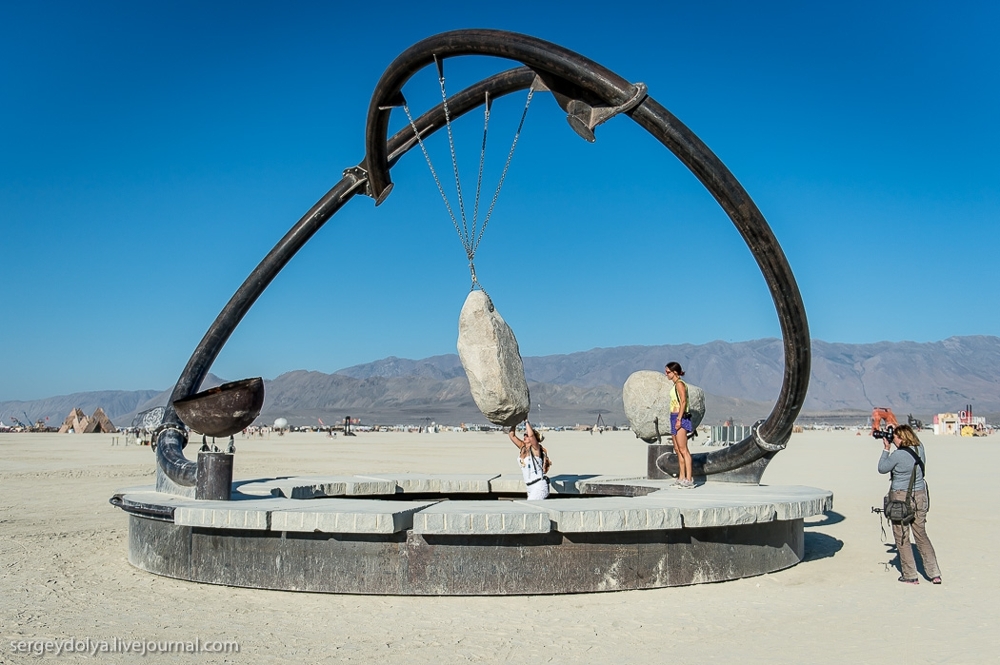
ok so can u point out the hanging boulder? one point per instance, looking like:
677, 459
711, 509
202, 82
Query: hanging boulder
492, 361
646, 395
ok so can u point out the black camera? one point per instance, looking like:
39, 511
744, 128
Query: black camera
884, 433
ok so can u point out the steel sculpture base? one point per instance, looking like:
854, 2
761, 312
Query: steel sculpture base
590, 94
425, 565
749, 473
635, 536
469, 534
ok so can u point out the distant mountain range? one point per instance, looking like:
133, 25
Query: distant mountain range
742, 380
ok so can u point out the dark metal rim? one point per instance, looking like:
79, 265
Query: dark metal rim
169, 443
570, 76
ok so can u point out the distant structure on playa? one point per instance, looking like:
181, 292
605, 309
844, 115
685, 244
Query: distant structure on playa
79, 423
963, 423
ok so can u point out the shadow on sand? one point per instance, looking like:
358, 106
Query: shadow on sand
890, 548
820, 545
829, 517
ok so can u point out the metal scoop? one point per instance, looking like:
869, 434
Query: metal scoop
223, 410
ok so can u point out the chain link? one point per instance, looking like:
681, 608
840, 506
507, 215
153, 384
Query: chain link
470, 240
503, 175
454, 159
437, 181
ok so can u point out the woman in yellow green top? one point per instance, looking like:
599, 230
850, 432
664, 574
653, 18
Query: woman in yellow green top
680, 424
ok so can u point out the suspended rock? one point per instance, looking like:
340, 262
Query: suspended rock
646, 395
492, 361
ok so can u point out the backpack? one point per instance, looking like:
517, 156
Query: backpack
903, 511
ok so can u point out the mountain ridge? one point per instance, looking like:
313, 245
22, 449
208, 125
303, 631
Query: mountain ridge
742, 380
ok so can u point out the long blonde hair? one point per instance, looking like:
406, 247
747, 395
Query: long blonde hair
526, 449
907, 437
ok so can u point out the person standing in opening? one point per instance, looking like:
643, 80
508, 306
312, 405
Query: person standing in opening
680, 424
534, 461
901, 463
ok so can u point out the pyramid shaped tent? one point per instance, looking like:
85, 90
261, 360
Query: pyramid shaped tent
78, 421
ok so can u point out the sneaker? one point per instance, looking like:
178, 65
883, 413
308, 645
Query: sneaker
906, 581
687, 484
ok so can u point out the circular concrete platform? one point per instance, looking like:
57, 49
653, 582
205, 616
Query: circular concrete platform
469, 535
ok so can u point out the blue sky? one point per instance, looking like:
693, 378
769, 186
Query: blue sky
152, 153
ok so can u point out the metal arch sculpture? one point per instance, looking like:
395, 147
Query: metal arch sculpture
590, 94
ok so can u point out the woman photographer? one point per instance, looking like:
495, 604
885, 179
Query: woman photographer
901, 464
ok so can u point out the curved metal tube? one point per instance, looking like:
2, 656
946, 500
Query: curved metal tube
169, 442
774, 432
572, 75
552, 61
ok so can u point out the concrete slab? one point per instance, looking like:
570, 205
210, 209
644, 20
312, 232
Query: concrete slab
569, 484
250, 514
563, 484
724, 504
609, 513
508, 483
468, 518
665, 507
697, 513
467, 483
445, 483
348, 516
148, 496
798, 502
630, 485
260, 487
312, 487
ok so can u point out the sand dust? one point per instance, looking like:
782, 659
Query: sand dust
64, 574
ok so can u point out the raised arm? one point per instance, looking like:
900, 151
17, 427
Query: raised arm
885, 464
514, 437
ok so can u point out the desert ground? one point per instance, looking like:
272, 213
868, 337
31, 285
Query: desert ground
64, 573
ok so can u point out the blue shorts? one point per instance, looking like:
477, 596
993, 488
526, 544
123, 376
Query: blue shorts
685, 424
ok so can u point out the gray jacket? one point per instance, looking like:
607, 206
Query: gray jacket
901, 463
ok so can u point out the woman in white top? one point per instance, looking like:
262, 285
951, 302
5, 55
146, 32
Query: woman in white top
534, 461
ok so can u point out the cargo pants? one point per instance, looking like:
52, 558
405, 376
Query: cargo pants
907, 564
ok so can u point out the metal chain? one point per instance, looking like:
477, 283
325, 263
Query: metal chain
482, 161
517, 134
466, 237
464, 234
437, 181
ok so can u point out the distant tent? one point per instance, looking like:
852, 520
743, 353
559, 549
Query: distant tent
81, 424
100, 423
76, 421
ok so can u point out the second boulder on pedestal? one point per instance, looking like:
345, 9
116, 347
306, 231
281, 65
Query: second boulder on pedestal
646, 395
